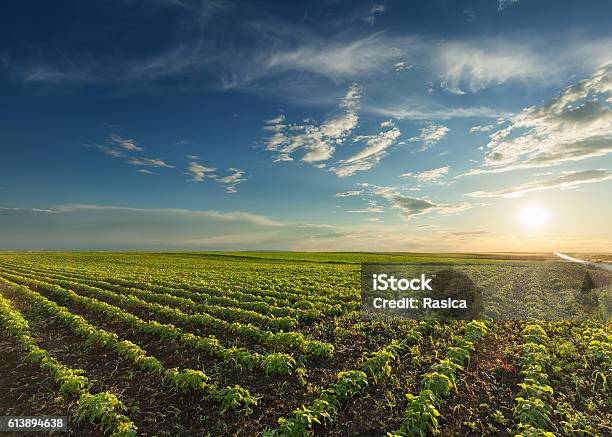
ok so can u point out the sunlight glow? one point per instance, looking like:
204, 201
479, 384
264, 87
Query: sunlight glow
534, 216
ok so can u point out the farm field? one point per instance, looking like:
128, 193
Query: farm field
272, 344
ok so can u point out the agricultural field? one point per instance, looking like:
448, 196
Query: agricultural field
273, 344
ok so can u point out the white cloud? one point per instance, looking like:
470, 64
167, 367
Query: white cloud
370, 155
126, 144
198, 172
349, 193
409, 206
217, 215
283, 157
433, 176
566, 181
375, 144
51, 211
115, 153
503, 4
276, 120
149, 162
402, 66
119, 147
195, 170
410, 110
574, 125
482, 129
387, 123
431, 134
473, 66
462, 65
372, 207
337, 59
236, 177
413, 206
317, 142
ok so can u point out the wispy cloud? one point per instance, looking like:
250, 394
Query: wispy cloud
413, 206
469, 233
482, 129
232, 180
129, 150
226, 216
273, 47
462, 65
369, 156
28, 209
149, 162
411, 110
435, 175
567, 181
126, 144
198, 171
339, 59
402, 66
78, 226
352, 193
471, 66
430, 134
317, 142
373, 207
503, 4
574, 125
408, 206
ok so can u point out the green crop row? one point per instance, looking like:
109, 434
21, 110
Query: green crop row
234, 314
261, 313
103, 409
533, 408
281, 340
599, 349
331, 302
421, 415
325, 407
183, 380
272, 364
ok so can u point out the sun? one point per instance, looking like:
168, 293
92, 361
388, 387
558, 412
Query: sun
534, 216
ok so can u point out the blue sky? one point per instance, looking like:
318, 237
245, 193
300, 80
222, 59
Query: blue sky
326, 125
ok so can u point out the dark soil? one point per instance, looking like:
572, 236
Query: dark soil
27, 390
489, 385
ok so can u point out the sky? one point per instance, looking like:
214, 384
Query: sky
469, 126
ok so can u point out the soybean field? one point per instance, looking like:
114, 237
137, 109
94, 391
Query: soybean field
273, 344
